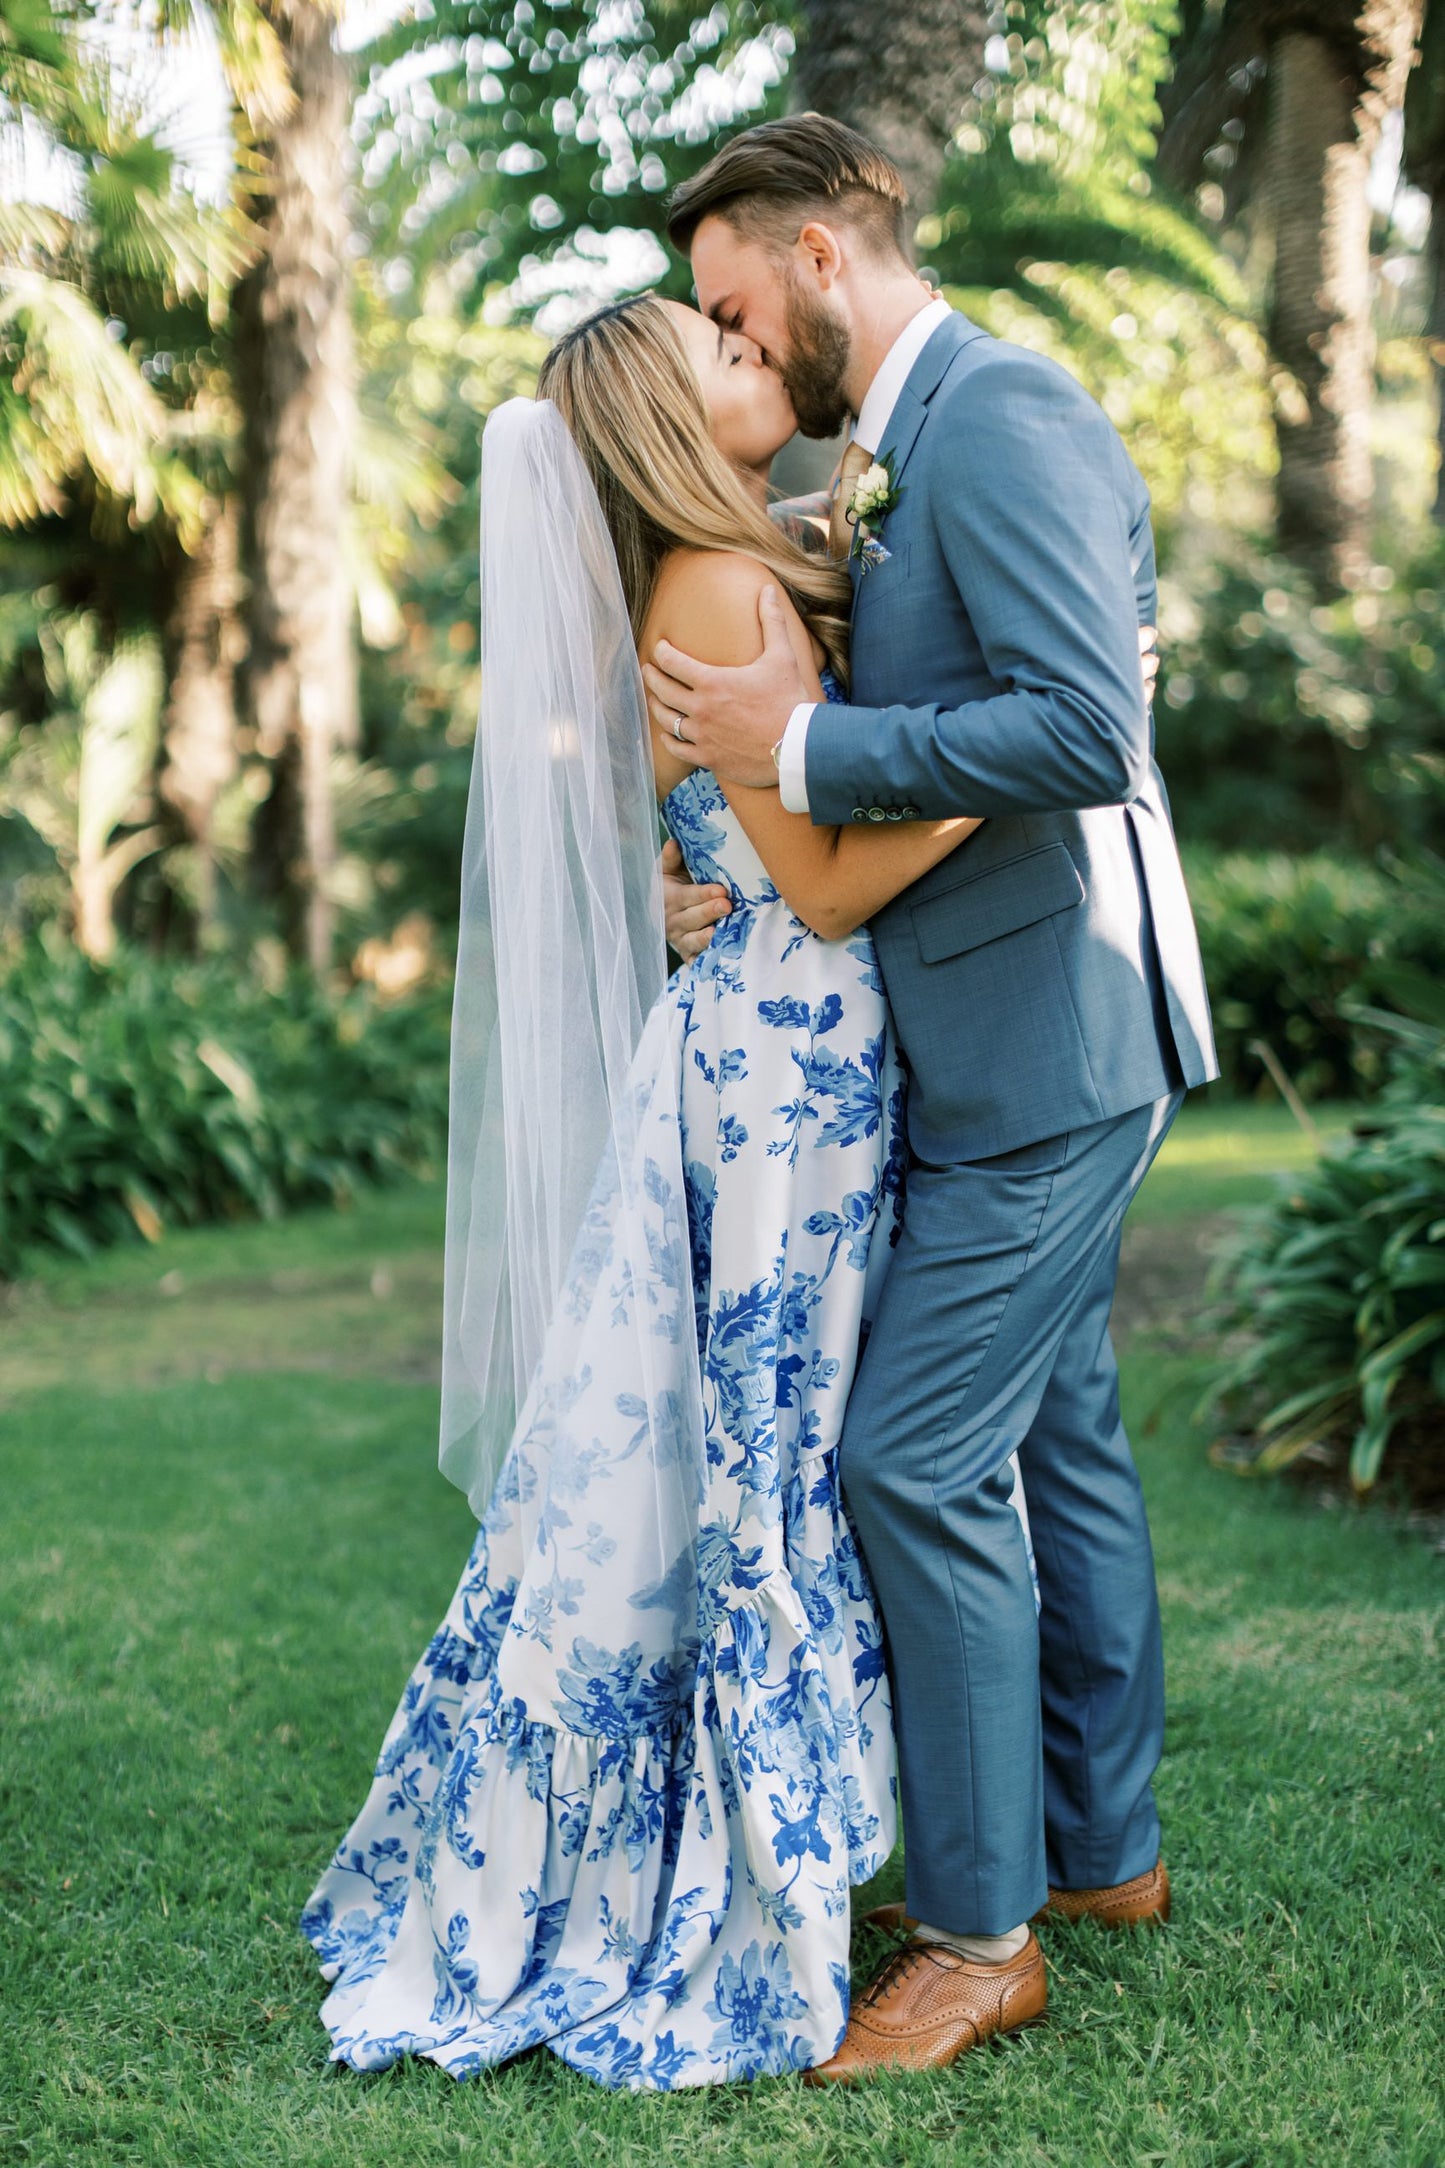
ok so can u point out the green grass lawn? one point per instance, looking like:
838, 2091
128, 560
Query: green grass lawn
224, 1542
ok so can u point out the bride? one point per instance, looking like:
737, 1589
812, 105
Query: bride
648, 1750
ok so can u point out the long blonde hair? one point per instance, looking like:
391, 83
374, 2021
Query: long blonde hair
628, 393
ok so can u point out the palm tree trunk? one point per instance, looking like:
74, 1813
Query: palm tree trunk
198, 743
899, 74
1326, 109
295, 370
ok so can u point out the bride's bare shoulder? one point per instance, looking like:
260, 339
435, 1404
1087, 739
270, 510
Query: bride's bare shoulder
692, 579
708, 599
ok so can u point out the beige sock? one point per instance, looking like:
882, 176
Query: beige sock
980, 1949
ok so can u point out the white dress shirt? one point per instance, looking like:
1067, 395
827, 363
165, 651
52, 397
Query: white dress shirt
871, 428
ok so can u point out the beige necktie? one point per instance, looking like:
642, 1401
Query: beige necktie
857, 459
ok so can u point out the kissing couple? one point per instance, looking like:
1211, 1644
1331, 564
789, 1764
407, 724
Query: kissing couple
776, 1361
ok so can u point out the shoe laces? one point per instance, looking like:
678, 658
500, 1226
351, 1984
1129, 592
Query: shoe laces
903, 1963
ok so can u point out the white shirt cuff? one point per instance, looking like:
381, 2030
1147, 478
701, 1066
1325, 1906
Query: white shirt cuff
792, 760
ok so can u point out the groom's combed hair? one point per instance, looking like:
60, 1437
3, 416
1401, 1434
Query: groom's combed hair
771, 179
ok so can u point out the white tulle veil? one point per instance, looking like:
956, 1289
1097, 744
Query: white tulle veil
566, 1214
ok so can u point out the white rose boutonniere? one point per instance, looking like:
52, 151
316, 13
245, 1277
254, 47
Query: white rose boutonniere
875, 495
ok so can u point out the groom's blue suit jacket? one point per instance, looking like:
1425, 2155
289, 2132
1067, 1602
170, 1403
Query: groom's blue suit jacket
996, 671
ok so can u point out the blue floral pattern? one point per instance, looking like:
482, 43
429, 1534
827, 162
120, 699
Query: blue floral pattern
643, 1860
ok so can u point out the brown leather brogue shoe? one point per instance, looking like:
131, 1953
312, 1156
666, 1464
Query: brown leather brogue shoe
1144, 1902
928, 2004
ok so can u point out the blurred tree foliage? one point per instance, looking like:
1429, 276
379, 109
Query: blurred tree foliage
1101, 198
112, 275
1054, 228
105, 242
501, 131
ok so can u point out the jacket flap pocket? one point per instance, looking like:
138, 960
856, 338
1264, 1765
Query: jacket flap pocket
989, 905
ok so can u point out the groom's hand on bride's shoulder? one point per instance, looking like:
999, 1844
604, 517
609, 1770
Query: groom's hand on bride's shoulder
730, 718
690, 909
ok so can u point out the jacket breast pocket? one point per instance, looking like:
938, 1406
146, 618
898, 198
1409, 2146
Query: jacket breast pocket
877, 579
986, 906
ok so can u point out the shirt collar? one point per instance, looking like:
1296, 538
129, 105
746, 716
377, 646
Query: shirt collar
881, 397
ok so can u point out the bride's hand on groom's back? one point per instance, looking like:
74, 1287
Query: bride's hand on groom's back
689, 910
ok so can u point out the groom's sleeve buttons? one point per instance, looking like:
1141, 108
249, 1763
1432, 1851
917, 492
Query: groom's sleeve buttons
886, 813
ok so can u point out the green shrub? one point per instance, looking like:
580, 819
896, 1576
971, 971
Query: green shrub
1291, 947
145, 1094
1340, 1286
1288, 724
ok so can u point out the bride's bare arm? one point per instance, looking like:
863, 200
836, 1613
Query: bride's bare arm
706, 603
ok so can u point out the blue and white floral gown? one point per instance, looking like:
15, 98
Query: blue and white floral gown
648, 1870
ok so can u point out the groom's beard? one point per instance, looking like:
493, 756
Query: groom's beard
819, 351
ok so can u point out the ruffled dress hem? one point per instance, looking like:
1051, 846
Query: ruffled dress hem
623, 1868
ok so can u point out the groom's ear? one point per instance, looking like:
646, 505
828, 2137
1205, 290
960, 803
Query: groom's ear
820, 250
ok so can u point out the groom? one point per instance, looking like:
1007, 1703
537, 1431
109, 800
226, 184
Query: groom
1048, 996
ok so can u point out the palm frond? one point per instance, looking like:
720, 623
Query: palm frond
165, 238
1006, 216
398, 472
31, 230
72, 398
255, 63
144, 222
35, 57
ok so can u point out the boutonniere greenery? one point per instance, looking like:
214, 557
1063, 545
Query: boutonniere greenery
875, 495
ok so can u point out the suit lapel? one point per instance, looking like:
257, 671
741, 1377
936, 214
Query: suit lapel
911, 411
923, 381
855, 574
904, 423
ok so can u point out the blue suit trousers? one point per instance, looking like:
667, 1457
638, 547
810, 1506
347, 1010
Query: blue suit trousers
1028, 1738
